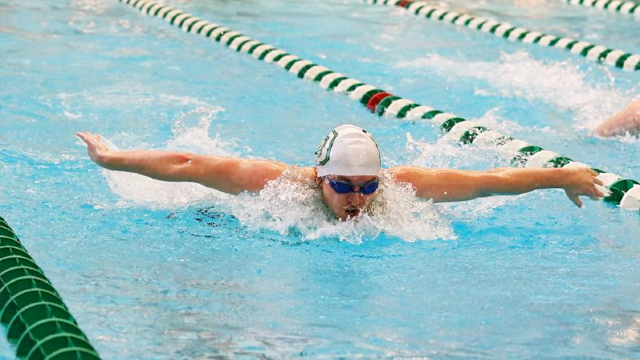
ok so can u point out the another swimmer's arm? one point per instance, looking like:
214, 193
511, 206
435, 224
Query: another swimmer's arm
627, 120
230, 175
443, 185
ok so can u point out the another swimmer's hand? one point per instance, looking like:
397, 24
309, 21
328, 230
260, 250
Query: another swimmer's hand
96, 149
580, 182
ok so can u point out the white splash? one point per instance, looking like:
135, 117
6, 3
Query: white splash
140, 190
448, 154
289, 205
518, 75
628, 336
191, 133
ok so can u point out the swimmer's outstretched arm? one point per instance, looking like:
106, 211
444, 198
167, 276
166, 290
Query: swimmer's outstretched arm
230, 175
443, 185
626, 121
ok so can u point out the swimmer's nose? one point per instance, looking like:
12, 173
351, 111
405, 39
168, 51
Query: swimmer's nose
356, 198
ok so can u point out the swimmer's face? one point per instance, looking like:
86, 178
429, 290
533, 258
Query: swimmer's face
351, 204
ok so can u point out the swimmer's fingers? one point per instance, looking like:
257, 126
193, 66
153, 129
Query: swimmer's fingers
593, 194
575, 199
597, 194
82, 135
92, 140
95, 147
598, 182
88, 138
590, 186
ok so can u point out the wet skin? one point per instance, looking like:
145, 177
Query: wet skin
350, 205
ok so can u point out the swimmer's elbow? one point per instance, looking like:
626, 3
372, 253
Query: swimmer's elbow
179, 167
182, 161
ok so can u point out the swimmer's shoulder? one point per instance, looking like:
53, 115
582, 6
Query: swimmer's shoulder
304, 174
308, 173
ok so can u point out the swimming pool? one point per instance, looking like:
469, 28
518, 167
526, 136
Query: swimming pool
156, 271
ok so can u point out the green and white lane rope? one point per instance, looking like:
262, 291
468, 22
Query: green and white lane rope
593, 52
624, 192
625, 7
38, 323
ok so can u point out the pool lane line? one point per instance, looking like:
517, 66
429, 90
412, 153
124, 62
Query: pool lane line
624, 192
625, 7
37, 321
593, 52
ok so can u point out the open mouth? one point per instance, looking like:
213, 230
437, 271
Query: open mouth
352, 212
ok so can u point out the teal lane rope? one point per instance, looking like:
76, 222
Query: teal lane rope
599, 53
626, 7
624, 192
38, 323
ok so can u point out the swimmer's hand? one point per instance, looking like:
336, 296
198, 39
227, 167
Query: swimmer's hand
96, 148
578, 182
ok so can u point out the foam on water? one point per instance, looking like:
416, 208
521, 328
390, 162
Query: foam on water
290, 205
448, 153
140, 190
628, 335
518, 75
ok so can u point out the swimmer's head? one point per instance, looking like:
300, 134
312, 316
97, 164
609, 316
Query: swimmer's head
348, 168
348, 150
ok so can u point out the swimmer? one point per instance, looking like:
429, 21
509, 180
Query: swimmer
625, 121
347, 172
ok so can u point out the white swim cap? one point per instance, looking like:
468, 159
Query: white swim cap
348, 150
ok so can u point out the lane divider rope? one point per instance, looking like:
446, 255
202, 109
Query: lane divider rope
593, 52
38, 322
626, 7
623, 192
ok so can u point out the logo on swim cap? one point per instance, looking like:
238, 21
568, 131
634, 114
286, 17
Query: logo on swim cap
348, 150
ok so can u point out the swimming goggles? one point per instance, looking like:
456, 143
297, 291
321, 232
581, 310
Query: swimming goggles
343, 187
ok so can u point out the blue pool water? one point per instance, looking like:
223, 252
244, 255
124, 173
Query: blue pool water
176, 271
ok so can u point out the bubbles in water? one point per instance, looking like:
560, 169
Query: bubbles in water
286, 205
292, 206
398, 212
